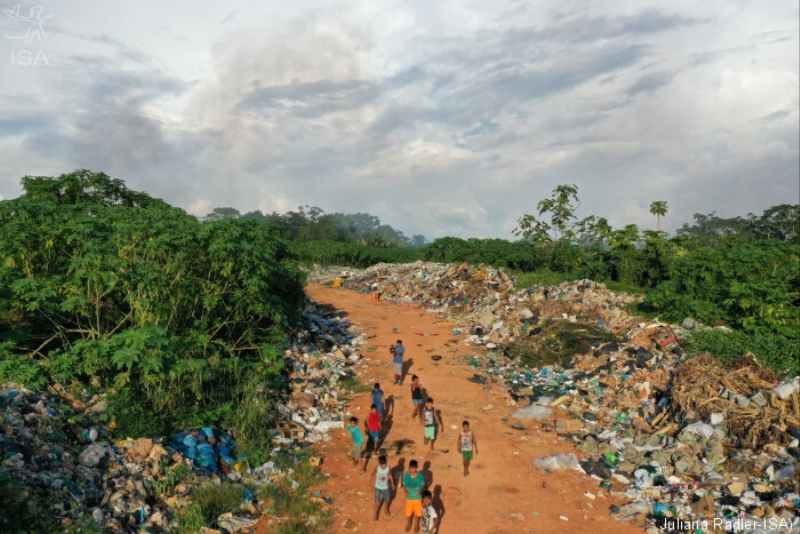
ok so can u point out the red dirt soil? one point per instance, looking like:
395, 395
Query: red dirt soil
504, 493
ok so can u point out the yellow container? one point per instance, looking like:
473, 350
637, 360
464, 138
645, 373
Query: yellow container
337, 282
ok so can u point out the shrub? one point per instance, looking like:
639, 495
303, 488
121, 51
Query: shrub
217, 499
779, 352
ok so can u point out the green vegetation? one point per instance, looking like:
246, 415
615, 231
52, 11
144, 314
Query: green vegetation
217, 499
115, 290
778, 352
743, 272
298, 515
354, 385
557, 343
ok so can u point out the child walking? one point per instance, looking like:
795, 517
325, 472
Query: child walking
374, 427
416, 397
383, 490
430, 518
377, 398
468, 443
429, 417
358, 443
413, 484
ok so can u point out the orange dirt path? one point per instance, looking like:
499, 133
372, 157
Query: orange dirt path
504, 494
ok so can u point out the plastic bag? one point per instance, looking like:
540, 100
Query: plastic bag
631, 510
535, 413
784, 391
700, 428
557, 462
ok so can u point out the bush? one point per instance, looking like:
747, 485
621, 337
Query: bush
115, 290
293, 506
217, 499
19, 510
778, 352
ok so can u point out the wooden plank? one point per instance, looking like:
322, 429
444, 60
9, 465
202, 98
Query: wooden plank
796, 403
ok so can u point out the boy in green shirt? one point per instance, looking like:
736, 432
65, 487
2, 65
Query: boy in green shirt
358, 444
413, 484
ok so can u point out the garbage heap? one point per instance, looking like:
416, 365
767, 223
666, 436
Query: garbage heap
482, 301
64, 449
691, 440
456, 289
325, 351
69, 459
680, 439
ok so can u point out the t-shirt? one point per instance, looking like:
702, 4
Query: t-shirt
466, 439
414, 486
377, 397
382, 478
429, 416
355, 433
399, 351
374, 422
429, 516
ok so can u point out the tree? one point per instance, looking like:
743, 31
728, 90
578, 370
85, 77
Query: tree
659, 209
222, 213
563, 227
418, 240
105, 286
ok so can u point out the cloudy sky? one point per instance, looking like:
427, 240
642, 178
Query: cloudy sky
451, 117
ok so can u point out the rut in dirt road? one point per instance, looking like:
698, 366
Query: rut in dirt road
503, 493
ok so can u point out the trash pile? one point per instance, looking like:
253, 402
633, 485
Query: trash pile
677, 437
459, 289
65, 450
324, 353
483, 302
82, 472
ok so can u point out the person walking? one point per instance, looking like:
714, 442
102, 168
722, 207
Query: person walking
413, 484
383, 490
398, 351
468, 444
416, 397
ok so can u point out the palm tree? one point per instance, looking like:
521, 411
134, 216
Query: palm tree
659, 209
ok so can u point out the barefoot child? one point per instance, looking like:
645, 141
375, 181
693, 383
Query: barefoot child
383, 490
430, 518
468, 443
377, 398
374, 427
358, 443
413, 484
416, 397
429, 417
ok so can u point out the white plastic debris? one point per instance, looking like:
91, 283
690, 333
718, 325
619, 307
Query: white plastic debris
535, 413
557, 462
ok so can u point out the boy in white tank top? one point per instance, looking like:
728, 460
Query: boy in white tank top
383, 484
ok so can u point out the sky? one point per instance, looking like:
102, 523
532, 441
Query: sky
441, 118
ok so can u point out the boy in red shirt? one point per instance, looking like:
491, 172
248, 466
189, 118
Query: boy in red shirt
374, 426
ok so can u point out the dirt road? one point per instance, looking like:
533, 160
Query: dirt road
504, 493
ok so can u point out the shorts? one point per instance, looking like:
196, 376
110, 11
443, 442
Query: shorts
430, 432
398, 369
374, 436
417, 402
414, 508
384, 495
380, 409
356, 452
467, 455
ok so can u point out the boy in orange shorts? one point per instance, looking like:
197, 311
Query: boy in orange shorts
413, 483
